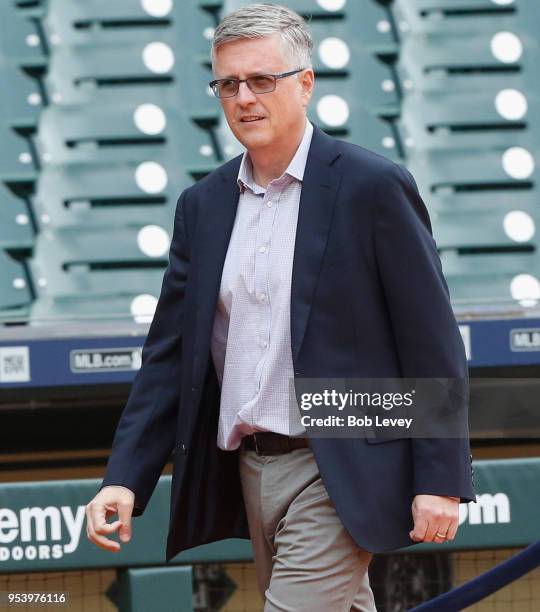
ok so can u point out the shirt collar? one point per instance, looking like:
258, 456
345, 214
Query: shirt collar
295, 169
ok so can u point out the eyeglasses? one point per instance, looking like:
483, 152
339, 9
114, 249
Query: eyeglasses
259, 84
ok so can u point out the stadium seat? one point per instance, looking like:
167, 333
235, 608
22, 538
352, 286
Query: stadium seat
371, 86
468, 170
453, 229
125, 22
111, 273
488, 224
474, 171
460, 120
125, 132
137, 307
368, 32
461, 62
504, 200
481, 283
447, 16
105, 195
16, 230
112, 262
340, 112
361, 127
20, 37
20, 99
15, 294
16, 158
140, 72
466, 16
167, 589
334, 52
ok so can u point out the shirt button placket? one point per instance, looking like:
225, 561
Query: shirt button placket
262, 280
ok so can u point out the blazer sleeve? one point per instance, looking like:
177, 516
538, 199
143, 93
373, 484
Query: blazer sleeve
145, 434
427, 336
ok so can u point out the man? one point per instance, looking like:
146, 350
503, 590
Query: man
305, 257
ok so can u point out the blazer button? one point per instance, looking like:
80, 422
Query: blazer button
194, 388
184, 449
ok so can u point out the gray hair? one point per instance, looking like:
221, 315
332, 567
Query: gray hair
258, 20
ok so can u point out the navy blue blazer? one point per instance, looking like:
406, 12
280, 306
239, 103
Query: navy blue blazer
368, 300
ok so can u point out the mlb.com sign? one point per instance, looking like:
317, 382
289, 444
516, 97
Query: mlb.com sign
40, 533
488, 510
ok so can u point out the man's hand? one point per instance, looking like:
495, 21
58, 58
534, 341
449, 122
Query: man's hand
435, 518
112, 499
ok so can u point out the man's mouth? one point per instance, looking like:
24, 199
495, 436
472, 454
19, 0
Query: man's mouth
251, 119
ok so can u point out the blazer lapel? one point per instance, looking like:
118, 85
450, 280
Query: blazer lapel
319, 191
217, 213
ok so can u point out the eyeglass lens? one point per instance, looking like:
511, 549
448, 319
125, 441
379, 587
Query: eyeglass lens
257, 84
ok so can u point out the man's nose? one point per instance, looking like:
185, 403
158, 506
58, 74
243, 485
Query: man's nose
245, 95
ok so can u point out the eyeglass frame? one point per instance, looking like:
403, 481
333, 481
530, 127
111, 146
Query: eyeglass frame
276, 77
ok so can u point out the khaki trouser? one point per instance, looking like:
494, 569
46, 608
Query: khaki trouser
304, 557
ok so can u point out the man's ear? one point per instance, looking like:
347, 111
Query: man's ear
307, 82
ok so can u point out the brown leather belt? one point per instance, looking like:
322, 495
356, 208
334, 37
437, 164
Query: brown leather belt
270, 443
